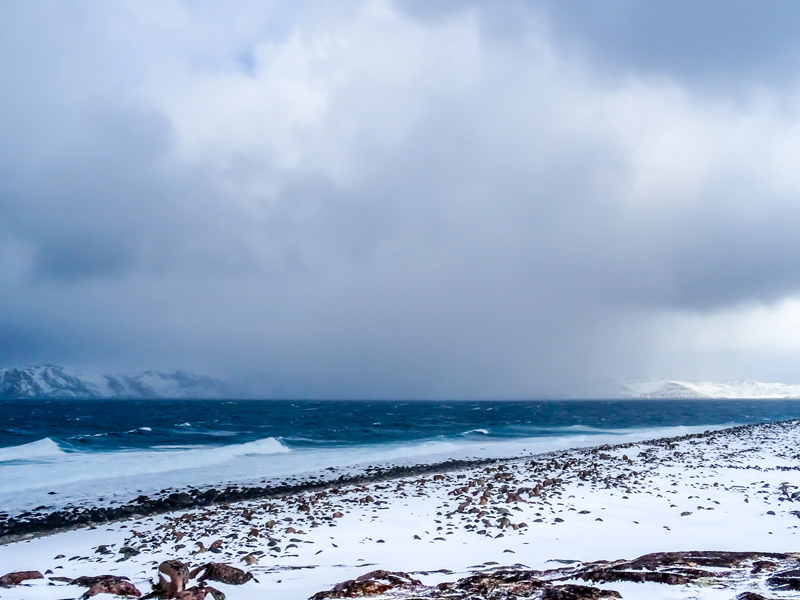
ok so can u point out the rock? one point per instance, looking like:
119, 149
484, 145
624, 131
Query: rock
222, 573
374, 583
671, 568
119, 586
577, 592
179, 500
89, 581
785, 580
173, 575
18, 577
199, 592
127, 552
762, 565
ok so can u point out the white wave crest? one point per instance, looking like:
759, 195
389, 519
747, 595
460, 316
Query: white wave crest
268, 445
52, 467
473, 431
44, 448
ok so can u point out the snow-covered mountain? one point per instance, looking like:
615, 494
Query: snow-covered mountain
50, 381
667, 388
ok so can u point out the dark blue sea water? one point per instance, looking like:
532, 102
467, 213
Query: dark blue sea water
108, 425
87, 449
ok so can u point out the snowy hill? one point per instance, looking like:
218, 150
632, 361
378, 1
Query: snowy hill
57, 382
666, 388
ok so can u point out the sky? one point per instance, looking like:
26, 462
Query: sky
402, 199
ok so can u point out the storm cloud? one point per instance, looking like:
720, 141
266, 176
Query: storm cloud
385, 199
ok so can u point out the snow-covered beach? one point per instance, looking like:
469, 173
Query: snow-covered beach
728, 490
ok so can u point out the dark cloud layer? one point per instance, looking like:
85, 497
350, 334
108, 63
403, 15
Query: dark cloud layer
393, 200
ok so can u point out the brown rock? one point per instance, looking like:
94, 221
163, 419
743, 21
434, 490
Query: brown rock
89, 581
222, 573
249, 559
18, 577
119, 586
577, 592
173, 575
199, 592
373, 583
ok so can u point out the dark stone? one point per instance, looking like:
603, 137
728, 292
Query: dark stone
89, 581
785, 580
127, 552
180, 500
577, 592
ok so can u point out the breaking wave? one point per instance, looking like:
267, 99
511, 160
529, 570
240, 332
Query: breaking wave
45, 448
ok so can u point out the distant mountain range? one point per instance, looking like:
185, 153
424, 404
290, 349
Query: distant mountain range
668, 388
50, 381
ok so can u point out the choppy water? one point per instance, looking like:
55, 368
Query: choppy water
85, 450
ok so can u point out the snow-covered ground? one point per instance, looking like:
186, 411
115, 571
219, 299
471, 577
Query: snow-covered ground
724, 490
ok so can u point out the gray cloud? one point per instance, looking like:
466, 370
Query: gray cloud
363, 202
714, 44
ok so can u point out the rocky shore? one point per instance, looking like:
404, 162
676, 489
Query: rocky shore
708, 515
41, 521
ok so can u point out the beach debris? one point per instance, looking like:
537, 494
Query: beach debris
17, 577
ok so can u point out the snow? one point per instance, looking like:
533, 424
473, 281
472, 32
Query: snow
668, 388
729, 481
50, 381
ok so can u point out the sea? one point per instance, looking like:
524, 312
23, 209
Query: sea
57, 453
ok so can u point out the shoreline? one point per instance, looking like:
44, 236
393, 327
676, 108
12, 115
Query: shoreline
728, 490
41, 522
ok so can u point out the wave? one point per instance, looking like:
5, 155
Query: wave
473, 431
44, 448
268, 445
140, 430
85, 470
